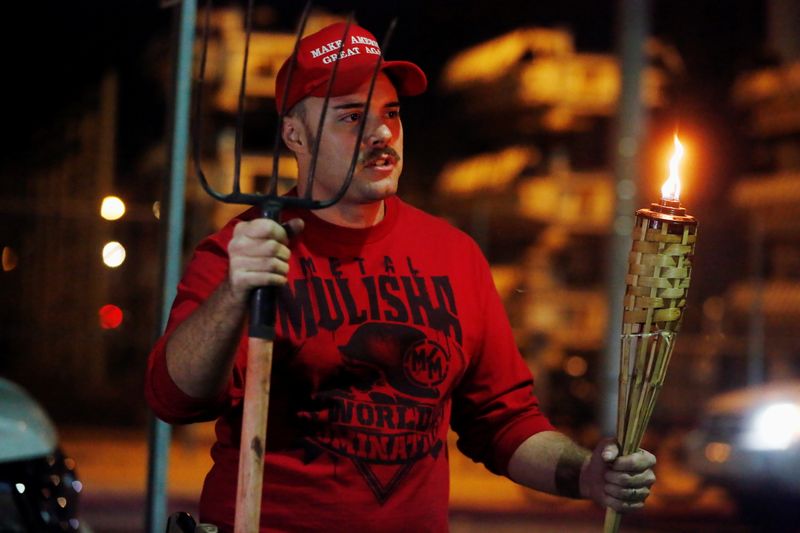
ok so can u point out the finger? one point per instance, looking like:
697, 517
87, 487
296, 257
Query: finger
262, 249
624, 479
247, 273
260, 229
630, 495
635, 462
259, 264
243, 246
259, 279
622, 506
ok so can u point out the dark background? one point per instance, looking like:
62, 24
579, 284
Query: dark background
55, 53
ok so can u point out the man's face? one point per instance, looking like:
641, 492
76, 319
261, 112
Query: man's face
380, 155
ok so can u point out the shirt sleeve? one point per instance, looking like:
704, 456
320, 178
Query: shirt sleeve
205, 271
494, 408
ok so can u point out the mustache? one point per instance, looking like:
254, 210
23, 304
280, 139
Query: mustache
377, 153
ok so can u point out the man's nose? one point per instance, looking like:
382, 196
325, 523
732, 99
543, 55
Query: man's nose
380, 135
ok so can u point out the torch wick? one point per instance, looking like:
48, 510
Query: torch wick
674, 204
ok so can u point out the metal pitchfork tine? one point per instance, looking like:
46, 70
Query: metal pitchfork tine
263, 300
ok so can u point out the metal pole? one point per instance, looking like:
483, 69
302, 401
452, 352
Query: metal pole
756, 360
633, 22
173, 208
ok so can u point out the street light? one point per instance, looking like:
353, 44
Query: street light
112, 208
113, 254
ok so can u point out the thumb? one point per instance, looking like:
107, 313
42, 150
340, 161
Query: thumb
608, 450
294, 227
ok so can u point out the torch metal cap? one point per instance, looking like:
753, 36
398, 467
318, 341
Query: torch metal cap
668, 211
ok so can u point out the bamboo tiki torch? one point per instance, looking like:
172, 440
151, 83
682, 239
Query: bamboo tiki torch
659, 272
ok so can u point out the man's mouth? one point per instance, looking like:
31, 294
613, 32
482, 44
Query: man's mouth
383, 158
382, 162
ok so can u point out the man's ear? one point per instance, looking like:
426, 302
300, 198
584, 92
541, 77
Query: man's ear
294, 135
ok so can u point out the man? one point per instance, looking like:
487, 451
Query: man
389, 331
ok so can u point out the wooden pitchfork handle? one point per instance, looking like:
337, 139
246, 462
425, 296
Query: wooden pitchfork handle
263, 304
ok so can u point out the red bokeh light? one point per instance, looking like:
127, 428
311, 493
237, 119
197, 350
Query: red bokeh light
110, 316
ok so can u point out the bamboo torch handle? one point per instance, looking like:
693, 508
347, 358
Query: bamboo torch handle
613, 518
254, 431
612, 521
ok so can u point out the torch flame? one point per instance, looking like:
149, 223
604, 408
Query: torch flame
671, 190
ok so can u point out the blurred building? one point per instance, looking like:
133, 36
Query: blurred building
762, 311
533, 79
540, 199
81, 286
749, 331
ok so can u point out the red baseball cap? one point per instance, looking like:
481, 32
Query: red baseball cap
317, 54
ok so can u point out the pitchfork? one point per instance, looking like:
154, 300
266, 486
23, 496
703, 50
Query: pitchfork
263, 300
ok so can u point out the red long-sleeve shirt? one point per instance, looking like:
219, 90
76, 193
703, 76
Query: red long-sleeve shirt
385, 337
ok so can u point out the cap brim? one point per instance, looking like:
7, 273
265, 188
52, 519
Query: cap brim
408, 79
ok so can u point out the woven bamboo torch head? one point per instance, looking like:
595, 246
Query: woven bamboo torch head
659, 268
660, 262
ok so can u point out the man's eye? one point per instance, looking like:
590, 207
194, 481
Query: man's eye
352, 117
393, 113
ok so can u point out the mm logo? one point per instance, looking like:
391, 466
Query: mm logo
426, 363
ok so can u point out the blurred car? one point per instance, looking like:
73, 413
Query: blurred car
748, 441
38, 485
